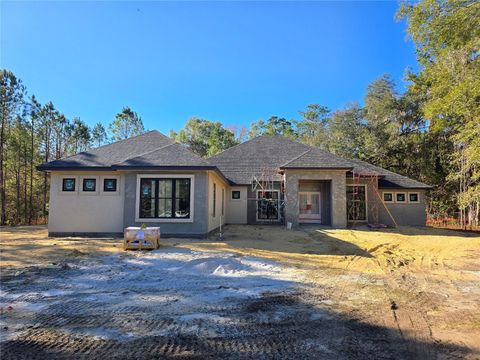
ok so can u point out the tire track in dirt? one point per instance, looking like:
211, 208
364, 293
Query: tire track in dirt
411, 323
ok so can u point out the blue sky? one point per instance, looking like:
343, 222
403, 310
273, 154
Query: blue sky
234, 62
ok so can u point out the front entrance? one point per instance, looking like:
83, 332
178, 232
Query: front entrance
309, 207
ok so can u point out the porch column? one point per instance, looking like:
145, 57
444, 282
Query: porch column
339, 201
291, 199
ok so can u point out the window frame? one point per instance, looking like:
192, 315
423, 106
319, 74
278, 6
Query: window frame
74, 184
418, 197
239, 195
190, 219
366, 201
94, 185
396, 199
116, 185
278, 206
391, 193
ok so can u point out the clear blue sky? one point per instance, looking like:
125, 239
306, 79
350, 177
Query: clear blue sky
228, 61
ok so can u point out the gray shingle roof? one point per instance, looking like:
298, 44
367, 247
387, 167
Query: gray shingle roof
242, 162
239, 164
315, 158
170, 155
388, 179
149, 149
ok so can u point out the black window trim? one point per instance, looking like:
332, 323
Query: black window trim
94, 184
74, 184
414, 193
107, 179
392, 194
404, 193
239, 194
173, 198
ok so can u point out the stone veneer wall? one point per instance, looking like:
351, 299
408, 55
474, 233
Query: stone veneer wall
338, 193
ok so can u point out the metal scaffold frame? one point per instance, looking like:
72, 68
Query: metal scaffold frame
372, 206
266, 182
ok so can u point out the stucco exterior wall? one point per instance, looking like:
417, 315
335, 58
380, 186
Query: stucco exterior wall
215, 216
196, 228
409, 214
338, 193
82, 212
237, 208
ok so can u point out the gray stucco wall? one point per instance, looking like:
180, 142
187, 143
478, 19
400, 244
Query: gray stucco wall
405, 214
197, 228
338, 193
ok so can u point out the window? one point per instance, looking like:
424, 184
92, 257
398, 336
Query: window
357, 203
236, 195
68, 184
413, 197
164, 198
400, 197
267, 205
110, 185
223, 202
388, 197
214, 200
89, 184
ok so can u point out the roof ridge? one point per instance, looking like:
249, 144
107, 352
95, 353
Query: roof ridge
115, 142
297, 157
148, 152
231, 147
262, 136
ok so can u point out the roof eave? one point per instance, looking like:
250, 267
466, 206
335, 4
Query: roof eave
46, 167
315, 168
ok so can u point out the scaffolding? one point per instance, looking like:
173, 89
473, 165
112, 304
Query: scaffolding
357, 213
265, 185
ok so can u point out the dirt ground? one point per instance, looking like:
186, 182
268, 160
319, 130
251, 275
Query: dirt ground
407, 293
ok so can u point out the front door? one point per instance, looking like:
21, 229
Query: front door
309, 206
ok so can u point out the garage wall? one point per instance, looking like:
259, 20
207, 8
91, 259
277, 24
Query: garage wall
85, 213
407, 214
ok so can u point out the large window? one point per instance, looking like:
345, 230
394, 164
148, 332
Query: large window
267, 205
164, 198
357, 203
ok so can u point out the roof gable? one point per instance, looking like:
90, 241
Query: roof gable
251, 158
142, 150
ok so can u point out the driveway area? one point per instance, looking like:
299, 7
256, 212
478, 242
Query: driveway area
260, 292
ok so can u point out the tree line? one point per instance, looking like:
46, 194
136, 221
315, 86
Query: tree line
430, 132
32, 133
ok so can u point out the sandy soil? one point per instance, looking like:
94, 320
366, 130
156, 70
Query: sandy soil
319, 293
